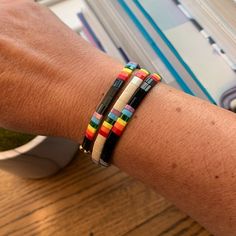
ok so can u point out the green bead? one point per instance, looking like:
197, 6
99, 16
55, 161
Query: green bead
110, 121
94, 125
124, 117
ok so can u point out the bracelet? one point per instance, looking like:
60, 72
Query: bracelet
125, 116
115, 112
104, 105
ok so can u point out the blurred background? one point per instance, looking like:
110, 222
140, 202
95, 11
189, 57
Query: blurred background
192, 43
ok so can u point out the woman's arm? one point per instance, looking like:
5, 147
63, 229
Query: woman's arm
51, 82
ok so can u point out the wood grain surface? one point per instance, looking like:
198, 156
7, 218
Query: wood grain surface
84, 199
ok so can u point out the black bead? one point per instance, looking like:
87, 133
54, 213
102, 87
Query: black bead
150, 81
86, 144
118, 83
137, 98
109, 146
101, 109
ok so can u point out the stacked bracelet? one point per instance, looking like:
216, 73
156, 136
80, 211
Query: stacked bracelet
115, 112
125, 116
104, 105
120, 114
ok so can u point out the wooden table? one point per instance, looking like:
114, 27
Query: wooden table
87, 200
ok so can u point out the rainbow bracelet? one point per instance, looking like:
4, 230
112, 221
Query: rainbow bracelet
125, 116
115, 112
104, 105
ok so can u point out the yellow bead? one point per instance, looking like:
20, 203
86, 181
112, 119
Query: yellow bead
127, 70
144, 71
91, 129
107, 125
158, 76
122, 122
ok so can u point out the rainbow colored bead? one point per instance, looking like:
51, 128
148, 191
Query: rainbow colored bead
113, 116
125, 116
97, 117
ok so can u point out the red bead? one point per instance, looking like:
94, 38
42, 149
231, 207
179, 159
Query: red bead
141, 74
104, 134
119, 126
88, 136
156, 77
124, 76
105, 129
116, 131
89, 133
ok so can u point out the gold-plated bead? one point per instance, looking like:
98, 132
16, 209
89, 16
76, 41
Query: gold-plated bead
83, 150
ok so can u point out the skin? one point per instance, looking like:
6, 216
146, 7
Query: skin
51, 81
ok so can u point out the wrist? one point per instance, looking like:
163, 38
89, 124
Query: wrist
84, 91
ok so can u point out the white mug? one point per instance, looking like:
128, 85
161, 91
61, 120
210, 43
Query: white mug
39, 158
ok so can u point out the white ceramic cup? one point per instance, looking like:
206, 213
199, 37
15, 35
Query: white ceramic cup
39, 158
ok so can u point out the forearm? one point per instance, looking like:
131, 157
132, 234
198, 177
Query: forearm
183, 147
51, 82
186, 150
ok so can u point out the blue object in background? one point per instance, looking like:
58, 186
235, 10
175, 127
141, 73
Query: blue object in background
167, 21
156, 49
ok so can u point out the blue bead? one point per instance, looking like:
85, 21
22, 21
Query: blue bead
112, 116
131, 65
95, 120
127, 113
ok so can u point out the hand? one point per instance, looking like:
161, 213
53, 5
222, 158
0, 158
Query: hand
46, 71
